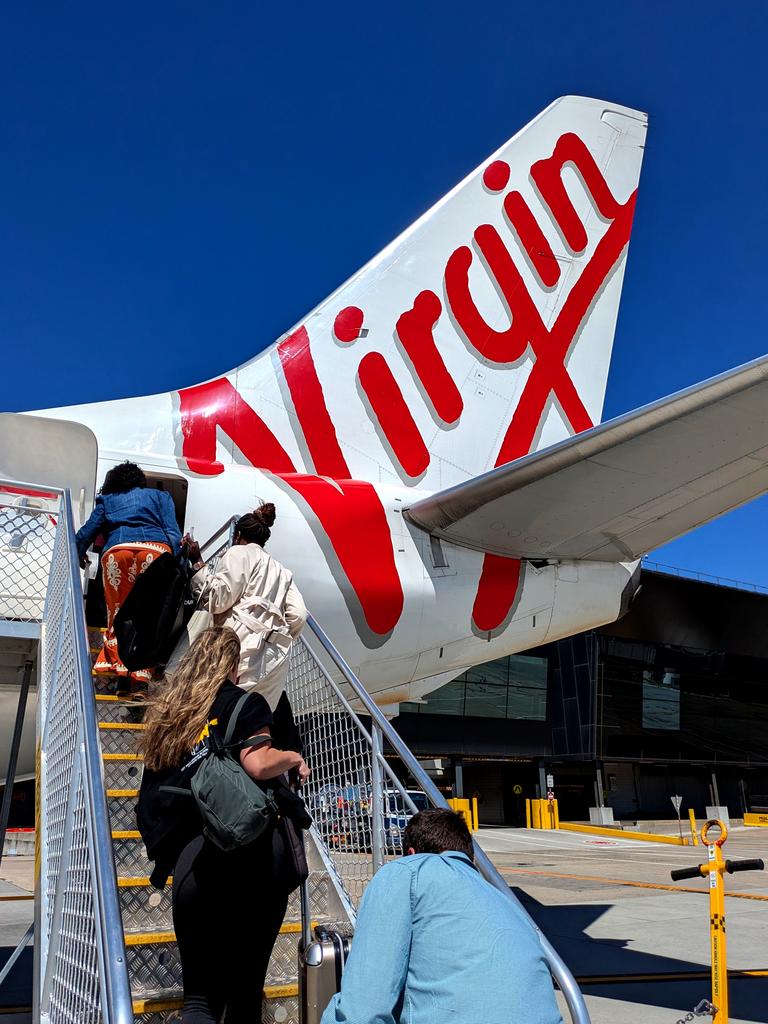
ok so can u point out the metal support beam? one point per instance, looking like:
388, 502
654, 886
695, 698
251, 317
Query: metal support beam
10, 775
377, 798
9, 963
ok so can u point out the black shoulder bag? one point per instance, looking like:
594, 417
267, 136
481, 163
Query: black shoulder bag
150, 620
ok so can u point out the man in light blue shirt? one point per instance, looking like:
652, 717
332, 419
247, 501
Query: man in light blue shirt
436, 944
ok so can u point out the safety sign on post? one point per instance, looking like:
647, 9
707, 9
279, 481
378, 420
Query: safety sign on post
677, 803
550, 782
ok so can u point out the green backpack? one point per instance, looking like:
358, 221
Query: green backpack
234, 807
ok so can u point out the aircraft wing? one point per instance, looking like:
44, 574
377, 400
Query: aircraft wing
617, 491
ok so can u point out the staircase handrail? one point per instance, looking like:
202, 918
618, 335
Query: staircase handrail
560, 972
114, 992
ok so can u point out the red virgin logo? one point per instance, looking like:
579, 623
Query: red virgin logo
348, 512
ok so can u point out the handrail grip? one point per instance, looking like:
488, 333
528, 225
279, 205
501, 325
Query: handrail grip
560, 972
38, 488
227, 525
118, 994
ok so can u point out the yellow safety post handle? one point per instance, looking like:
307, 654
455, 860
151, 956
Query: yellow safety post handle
715, 869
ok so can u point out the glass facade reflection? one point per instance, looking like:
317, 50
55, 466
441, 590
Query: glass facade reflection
682, 704
513, 687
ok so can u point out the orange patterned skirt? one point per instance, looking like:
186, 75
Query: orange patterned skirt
120, 567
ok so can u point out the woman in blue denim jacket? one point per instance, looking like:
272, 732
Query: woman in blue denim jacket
138, 524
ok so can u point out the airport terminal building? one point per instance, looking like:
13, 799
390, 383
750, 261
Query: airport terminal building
671, 699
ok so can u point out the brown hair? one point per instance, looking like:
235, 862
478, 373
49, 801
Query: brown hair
255, 526
177, 716
437, 830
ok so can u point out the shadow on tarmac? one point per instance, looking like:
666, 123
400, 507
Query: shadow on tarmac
565, 927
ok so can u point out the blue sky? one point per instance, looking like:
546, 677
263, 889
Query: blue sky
180, 183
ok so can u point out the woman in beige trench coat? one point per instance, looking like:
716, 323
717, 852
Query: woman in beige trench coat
255, 595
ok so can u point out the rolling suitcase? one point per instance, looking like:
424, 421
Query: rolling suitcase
322, 955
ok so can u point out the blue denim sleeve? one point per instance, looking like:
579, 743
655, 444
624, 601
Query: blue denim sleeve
374, 977
171, 527
91, 528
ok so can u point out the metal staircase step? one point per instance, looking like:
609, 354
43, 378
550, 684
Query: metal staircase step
146, 909
280, 1006
121, 804
119, 710
130, 854
122, 771
120, 737
142, 907
155, 967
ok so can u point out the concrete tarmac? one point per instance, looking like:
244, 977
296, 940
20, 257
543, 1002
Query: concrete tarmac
16, 879
596, 899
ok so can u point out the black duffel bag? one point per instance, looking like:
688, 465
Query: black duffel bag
150, 620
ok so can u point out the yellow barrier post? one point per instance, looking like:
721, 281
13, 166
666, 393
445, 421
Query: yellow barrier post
557, 815
527, 813
714, 869
694, 833
475, 818
551, 812
461, 807
536, 809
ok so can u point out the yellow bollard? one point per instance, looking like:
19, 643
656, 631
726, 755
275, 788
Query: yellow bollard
536, 808
527, 813
475, 818
461, 806
694, 833
557, 815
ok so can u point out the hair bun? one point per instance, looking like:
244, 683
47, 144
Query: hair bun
266, 514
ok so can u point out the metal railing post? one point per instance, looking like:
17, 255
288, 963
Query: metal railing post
117, 1002
10, 776
377, 799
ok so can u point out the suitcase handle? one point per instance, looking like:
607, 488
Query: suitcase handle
306, 917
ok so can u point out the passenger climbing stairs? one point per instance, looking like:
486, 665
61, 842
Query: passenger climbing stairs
150, 944
104, 942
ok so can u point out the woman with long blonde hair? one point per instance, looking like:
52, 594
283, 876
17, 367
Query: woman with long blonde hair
227, 906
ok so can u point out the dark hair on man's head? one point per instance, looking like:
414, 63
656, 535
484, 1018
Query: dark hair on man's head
438, 830
122, 478
255, 526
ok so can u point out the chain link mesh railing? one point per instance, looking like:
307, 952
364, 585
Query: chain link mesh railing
27, 533
82, 976
359, 806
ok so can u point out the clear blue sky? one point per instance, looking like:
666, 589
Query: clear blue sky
181, 182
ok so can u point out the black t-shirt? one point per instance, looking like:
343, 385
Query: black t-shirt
168, 821
254, 714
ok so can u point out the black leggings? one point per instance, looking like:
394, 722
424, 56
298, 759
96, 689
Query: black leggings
227, 912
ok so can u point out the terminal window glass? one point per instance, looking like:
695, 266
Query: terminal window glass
661, 699
512, 687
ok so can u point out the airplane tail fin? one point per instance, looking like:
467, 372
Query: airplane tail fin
482, 333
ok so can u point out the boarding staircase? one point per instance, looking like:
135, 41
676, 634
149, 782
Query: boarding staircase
105, 948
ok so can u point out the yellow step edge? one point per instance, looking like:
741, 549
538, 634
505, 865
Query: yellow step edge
155, 938
135, 726
122, 757
126, 835
148, 938
155, 1005
135, 883
280, 991
114, 793
159, 1005
112, 698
